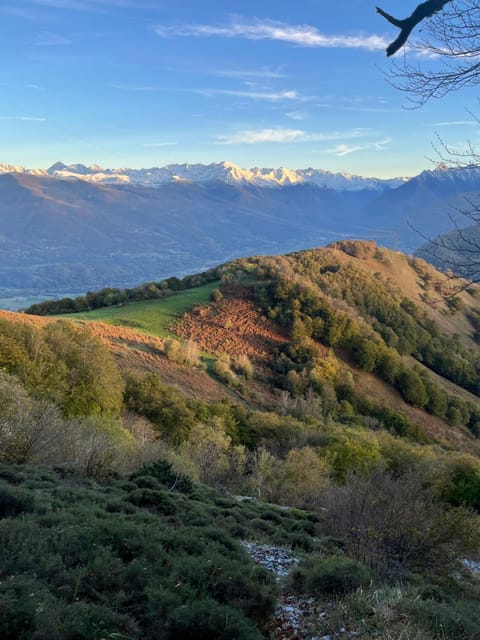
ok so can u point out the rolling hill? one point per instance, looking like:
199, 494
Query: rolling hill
317, 413
63, 235
350, 311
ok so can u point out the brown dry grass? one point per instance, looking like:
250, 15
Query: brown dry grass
233, 325
368, 386
422, 283
138, 353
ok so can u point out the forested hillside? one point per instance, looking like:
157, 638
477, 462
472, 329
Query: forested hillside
341, 380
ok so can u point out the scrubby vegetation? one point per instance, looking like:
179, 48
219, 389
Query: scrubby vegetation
349, 309
116, 512
147, 556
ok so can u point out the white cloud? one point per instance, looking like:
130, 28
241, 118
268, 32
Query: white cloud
297, 115
247, 73
47, 39
273, 96
381, 144
263, 135
455, 123
129, 87
23, 118
259, 136
361, 104
344, 149
301, 35
160, 144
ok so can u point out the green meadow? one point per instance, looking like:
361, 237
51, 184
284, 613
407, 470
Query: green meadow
152, 317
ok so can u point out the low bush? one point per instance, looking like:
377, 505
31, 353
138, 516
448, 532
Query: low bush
334, 574
14, 502
124, 560
162, 472
395, 523
207, 620
453, 620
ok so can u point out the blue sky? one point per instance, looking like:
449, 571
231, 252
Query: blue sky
149, 82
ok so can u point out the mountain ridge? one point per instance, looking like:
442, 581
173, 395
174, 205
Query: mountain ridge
74, 235
202, 173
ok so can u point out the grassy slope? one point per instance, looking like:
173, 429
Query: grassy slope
152, 317
157, 318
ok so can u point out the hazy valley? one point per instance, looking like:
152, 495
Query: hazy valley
64, 233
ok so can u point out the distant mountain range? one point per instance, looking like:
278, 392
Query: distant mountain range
63, 232
216, 172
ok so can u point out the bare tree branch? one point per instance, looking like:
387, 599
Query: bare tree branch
406, 26
445, 58
451, 36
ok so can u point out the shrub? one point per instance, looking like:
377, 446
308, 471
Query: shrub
156, 501
216, 295
187, 352
352, 453
207, 620
222, 369
243, 366
412, 388
163, 406
463, 486
452, 620
14, 501
455, 304
394, 523
332, 574
162, 472
124, 560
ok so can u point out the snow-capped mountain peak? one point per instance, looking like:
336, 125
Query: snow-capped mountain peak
226, 172
444, 174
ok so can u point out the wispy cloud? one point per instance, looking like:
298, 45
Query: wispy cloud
24, 118
159, 144
47, 39
255, 29
246, 74
360, 104
272, 96
260, 136
455, 123
297, 115
140, 88
346, 149
92, 5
